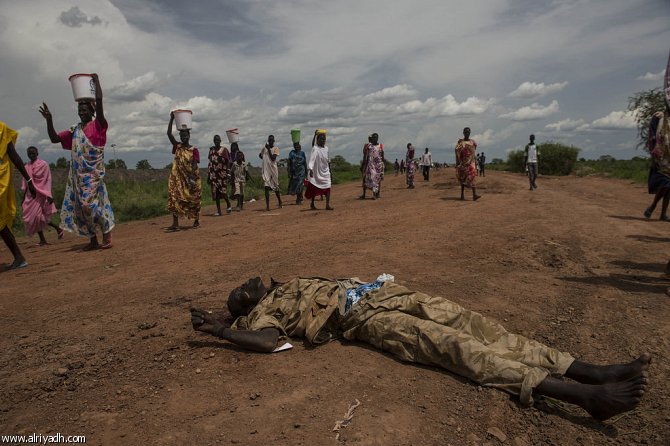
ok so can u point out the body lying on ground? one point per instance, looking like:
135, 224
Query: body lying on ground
423, 329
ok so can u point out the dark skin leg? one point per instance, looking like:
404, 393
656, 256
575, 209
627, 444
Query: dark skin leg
43, 240
278, 199
10, 241
661, 194
175, 223
601, 401
267, 198
602, 374
218, 205
664, 206
328, 206
462, 192
92, 244
475, 197
312, 206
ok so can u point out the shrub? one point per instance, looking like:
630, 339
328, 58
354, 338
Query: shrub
556, 158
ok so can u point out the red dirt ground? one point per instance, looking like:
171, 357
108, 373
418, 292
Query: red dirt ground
100, 343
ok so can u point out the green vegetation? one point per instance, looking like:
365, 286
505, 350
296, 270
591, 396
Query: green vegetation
645, 104
143, 165
635, 169
142, 194
558, 159
554, 159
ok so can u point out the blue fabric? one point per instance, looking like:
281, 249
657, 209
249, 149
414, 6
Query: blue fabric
355, 294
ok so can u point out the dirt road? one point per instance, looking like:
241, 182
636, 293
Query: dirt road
100, 344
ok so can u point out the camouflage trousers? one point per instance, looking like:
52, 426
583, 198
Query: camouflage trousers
419, 328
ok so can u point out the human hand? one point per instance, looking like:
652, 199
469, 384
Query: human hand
44, 111
50, 200
202, 320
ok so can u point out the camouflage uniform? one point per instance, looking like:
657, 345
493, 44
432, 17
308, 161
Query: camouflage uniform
414, 327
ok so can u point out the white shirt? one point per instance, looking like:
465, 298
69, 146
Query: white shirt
532, 153
427, 159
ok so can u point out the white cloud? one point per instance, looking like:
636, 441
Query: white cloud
135, 89
27, 136
532, 112
651, 76
250, 66
536, 90
616, 120
565, 125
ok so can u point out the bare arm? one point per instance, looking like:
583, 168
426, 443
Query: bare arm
263, 341
53, 136
169, 132
99, 110
18, 162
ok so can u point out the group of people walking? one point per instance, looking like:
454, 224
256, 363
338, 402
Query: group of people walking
229, 170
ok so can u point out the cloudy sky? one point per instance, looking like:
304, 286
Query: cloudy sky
414, 71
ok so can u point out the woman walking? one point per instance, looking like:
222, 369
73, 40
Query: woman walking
410, 167
37, 210
466, 170
218, 174
86, 207
319, 170
184, 188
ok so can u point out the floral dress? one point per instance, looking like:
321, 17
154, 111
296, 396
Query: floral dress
466, 169
184, 188
86, 204
218, 171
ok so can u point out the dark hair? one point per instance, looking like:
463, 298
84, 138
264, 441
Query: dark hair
466, 128
32, 147
244, 298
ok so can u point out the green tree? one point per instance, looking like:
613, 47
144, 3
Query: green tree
553, 159
116, 164
339, 164
143, 165
645, 104
62, 163
52, 165
169, 166
516, 161
556, 158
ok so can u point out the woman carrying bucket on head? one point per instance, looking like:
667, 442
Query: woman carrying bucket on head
184, 188
297, 168
319, 170
86, 207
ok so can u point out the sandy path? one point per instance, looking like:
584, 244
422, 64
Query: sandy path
100, 344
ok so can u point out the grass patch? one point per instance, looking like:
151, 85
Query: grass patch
140, 195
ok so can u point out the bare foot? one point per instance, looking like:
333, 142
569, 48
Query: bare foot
312, 207
607, 400
603, 374
476, 197
622, 372
330, 208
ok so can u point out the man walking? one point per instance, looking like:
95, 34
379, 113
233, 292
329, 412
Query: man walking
426, 163
532, 154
